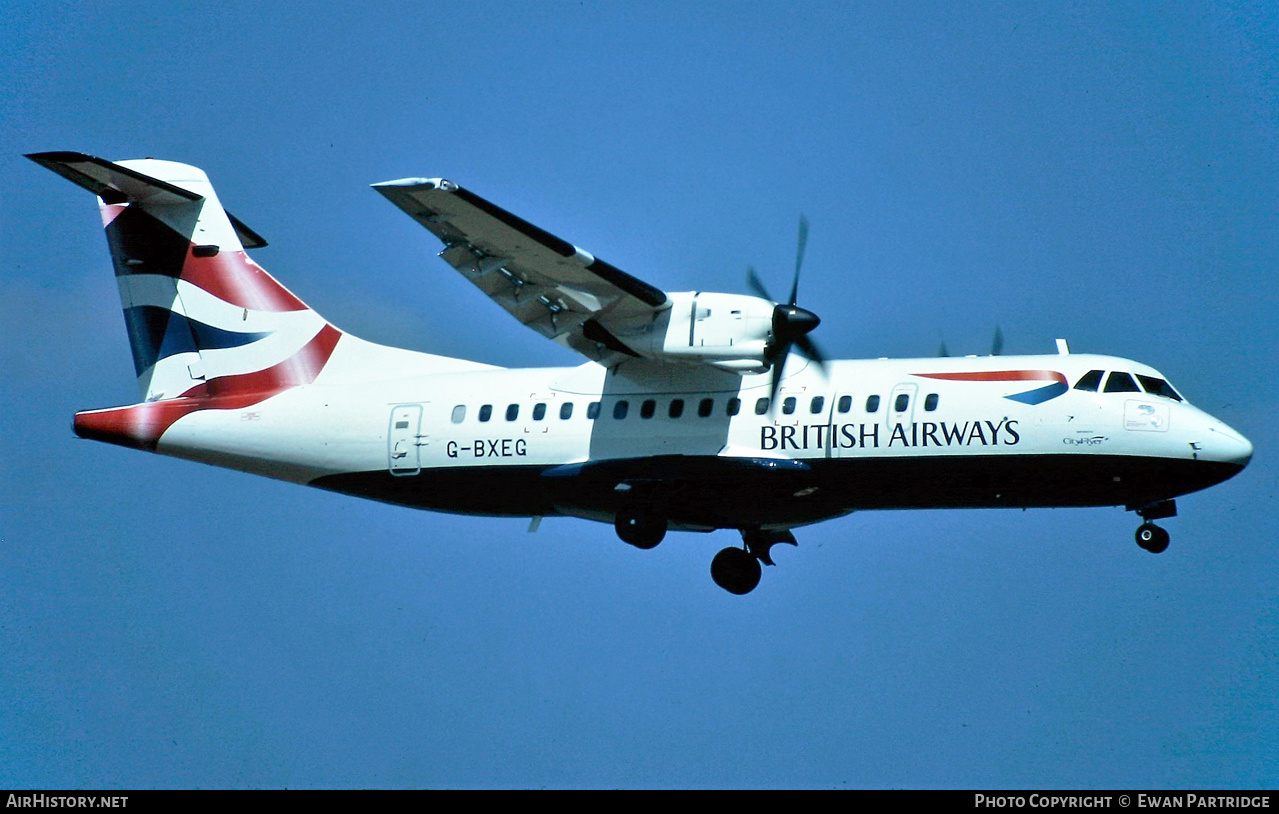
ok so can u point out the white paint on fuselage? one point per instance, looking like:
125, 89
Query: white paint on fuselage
339, 424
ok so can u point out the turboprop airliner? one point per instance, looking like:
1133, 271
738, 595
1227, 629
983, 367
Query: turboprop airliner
691, 411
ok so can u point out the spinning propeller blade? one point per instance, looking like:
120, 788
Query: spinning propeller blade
791, 324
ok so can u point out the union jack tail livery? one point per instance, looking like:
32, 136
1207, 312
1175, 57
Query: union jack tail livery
203, 319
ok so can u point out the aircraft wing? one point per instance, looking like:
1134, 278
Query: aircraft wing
550, 285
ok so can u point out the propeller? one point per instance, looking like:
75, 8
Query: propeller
791, 324
996, 345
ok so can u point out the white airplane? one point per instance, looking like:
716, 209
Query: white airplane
690, 414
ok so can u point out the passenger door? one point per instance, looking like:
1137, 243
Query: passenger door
404, 440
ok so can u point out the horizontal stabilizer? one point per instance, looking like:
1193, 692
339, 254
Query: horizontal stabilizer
116, 184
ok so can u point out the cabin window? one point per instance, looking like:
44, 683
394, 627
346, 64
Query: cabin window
512, 412
733, 407
705, 406
1158, 387
566, 411
761, 406
620, 409
901, 402
647, 408
593, 411
872, 404
486, 412
677, 408
459, 414
788, 405
930, 402
1118, 382
845, 404
815, 406
539, 411
1090, 381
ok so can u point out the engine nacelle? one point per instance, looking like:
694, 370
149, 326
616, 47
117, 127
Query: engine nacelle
729, 331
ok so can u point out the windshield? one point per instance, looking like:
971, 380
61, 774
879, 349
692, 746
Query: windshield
1158, 387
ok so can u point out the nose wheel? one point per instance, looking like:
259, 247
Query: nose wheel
1149, 536
1152, 538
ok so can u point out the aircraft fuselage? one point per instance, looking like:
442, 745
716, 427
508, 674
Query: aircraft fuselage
866, 434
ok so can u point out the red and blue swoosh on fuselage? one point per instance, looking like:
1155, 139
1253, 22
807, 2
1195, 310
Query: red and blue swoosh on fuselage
1057, 382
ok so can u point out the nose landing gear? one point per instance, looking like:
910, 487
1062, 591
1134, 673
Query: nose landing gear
1149, 536
1152, 538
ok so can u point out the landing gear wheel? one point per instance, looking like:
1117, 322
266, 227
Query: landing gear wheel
736, 571
640, 528
1152, 538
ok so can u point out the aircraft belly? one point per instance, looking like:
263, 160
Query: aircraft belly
1015, 481
705, 492
511, 490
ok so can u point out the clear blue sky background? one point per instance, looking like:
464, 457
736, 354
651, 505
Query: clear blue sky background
1104, 173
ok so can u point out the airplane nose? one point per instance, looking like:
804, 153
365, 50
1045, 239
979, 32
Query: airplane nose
1228, 446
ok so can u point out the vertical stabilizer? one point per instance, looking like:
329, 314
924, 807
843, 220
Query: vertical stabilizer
203, 319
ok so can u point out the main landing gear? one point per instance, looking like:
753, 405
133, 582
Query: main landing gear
737, 570
1149, 536
640, 527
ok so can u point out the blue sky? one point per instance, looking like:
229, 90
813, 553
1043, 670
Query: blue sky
1099, 172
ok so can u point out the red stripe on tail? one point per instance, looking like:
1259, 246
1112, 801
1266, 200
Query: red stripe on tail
141, 425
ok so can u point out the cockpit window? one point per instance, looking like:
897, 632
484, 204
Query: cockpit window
1118, 382
1090, 381
1158, 387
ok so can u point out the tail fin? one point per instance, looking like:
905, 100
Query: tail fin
203, 319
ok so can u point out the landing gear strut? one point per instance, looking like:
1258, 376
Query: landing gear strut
737, 570
1149, 536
